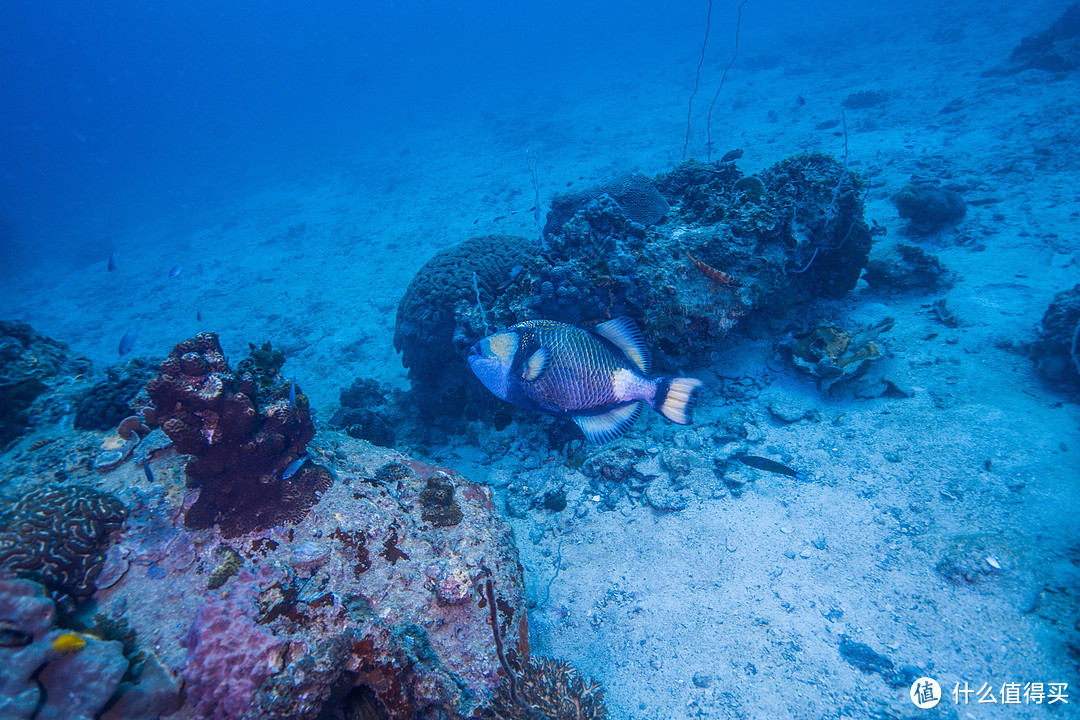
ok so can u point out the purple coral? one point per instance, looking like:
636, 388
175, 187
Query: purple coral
242, 430
229, 657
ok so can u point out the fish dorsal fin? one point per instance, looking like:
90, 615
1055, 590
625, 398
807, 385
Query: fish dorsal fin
603, 428
624, 334
535, 365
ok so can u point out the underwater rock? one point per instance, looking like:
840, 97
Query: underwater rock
974, 560
56, 674
1056, 350
832, 355
29, 364
104, 405
907, 267
242, 430
1056, 49
373, 412
634, 193
929, 207
865, 99
59, 536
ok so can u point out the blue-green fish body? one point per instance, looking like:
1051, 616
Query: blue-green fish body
599, 378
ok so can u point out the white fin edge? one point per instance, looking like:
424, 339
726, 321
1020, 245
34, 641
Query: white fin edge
624, 333
600, 429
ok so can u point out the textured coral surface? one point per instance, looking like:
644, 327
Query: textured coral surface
58, 535
243, 432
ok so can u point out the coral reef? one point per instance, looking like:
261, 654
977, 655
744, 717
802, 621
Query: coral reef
453, 289
832, 355
243, 432
48, 673
1056, 49
929, 207
1056, 350
907, 267
105, 404
29, 364
58, 536
370, 411
229, 657
634, 193
440, 509
547, 688
734, 246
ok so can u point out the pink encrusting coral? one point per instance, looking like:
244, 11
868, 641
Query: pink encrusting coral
228, 658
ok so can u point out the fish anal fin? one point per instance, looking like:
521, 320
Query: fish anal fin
536, 364
607, 426
623, 332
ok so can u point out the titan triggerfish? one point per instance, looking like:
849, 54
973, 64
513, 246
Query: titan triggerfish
598, 378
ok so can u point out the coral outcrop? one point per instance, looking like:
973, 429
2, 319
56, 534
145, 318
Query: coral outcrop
108, 402
458, 283
29, 364
634, 193
732, 246
58, 536
242, 430
49, 673
1056, 350
1055, 49
929, 207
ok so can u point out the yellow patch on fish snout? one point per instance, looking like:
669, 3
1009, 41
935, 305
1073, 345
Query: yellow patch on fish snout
621, 382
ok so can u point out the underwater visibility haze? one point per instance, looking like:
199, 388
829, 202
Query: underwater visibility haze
328, 332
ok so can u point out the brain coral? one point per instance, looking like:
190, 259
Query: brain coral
58, 536
635, 194
437, 319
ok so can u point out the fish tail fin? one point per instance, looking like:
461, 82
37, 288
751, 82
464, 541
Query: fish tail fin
675, 399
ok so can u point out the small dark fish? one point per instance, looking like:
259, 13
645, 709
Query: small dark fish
112, 261
127, 342
514, 272
732, 155
760, 463
198, 316
175, 271
598, 378
294, 466
799, 101
292, 393
146, 469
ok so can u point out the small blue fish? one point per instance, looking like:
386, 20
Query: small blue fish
175, 271
146, 469
127, 342
198, 316
292, 393
112, 261
294, 466
598, 378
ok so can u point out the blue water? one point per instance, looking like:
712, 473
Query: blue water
298, 162
118, 110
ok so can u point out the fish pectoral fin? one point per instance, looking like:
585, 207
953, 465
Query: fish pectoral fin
623, 332
607, 426
536, 364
